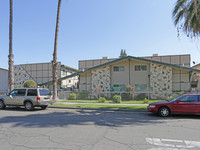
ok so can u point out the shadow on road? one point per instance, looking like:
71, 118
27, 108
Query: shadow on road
16, 108
81, 117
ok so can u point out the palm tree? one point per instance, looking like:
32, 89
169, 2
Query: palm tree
186, 16
54, 62
10, 56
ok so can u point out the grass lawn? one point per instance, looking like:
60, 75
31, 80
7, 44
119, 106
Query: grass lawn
110, 101
100, 106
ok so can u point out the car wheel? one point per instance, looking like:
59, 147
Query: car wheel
28, 106
44, 107
164, 112
2, 105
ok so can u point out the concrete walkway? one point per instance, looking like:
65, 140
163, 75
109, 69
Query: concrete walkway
103, 104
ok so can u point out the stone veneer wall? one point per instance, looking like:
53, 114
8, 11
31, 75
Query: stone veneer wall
195, 77
21, 76
160, 81
101, 81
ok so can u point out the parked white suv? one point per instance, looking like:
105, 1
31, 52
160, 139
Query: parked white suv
27, 97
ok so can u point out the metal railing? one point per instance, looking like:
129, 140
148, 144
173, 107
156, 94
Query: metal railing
125, 95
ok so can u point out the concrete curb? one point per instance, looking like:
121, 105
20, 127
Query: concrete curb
101, 109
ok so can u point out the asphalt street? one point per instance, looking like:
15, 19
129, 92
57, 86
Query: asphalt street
76, 129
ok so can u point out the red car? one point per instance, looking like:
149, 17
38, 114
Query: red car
186, 103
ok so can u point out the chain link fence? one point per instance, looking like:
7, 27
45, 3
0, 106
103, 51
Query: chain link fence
126, 96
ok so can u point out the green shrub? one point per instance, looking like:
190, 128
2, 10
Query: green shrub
169, 97
30, 84
116, 99
126, 96
72, 96
145, 100
102, 100
140, 96
83, 95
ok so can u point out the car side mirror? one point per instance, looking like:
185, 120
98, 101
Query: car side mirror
177, 101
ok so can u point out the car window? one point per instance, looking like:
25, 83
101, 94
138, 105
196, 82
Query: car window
18, 92
44, 92
189, 98
32, 92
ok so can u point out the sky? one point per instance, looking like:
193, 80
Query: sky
91, 29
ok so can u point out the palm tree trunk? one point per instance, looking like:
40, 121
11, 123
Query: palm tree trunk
10, 56
55, 64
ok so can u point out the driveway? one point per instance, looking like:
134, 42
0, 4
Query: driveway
76, 129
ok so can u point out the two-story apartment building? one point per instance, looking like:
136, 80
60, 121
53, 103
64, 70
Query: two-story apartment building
158, 75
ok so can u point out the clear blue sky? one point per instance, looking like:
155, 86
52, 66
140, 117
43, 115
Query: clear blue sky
90, 29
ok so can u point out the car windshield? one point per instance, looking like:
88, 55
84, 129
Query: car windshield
44, 92
174, 99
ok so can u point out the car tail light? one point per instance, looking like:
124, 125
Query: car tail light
38, 98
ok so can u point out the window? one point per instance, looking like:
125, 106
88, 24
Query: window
189, 98
122, 87
140, 67
117, 88
44, 92
119, 68
18, 92
140, 87
32, 92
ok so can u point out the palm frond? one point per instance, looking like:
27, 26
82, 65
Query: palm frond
186, 13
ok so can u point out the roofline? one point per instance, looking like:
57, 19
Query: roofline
141, 59
70, 68
36, 63
4, 69
120, 59
63, 78
98, 59
162, 63
195, 65
139, 56
166, 55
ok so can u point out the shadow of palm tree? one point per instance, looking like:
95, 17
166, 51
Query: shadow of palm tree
82, 117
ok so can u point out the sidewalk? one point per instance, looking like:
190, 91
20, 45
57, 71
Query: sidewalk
103, 103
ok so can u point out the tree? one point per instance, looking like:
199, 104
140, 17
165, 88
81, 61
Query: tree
54, 62
123, 53
186, 16
11, 56
30, 84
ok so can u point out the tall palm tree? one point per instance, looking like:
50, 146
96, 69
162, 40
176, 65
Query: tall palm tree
186, 16
11, 56
54, 62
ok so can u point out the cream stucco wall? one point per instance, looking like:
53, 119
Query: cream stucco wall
139, 77
180, 80
129, 75
120, 77
160, 80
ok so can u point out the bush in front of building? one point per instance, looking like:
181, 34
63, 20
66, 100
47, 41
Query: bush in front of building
102, 100
30, 84
127, 96
140, 96
72, 96
116, 99
146, 100
83, 95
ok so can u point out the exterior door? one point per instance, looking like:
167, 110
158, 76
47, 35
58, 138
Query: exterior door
16, 97
186, 104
